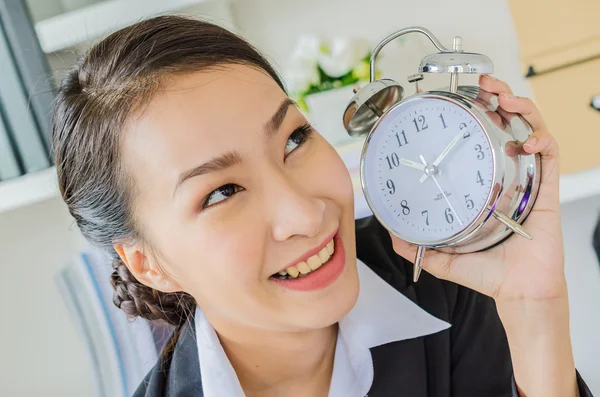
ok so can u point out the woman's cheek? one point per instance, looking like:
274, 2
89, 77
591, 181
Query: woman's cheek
335, 176
235, 242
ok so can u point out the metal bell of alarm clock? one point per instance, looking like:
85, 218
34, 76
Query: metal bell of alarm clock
443, 169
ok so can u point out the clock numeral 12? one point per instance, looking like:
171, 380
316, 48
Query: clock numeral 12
424, 125
403, 135
479, 178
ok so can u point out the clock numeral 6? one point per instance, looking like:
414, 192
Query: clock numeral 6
449, 217
393, 160
467, 134
470, 203
426, 215
480, 154
424, 125
405, 209
391, 186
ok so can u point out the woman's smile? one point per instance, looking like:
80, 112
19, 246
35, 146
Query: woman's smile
316, 269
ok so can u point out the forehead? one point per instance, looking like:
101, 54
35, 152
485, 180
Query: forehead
200, 115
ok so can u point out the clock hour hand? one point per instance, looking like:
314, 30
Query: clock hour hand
413, 164
437, 161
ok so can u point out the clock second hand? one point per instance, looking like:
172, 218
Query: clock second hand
442, 191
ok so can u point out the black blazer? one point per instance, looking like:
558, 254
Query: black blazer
471, 358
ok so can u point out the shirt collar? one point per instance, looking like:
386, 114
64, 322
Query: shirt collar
381, 315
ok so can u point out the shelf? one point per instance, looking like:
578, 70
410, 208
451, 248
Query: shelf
99, 19
28, 189
579, 185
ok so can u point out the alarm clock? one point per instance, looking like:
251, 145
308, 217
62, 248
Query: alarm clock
443, 169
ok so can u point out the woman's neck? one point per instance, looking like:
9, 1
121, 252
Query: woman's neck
277, 364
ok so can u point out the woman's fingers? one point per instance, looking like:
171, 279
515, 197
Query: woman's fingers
540, 142
492, 84
525, 107
475, 271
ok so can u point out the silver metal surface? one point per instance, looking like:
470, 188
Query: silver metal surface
369, 104
519, 173
415, 78
453, 82
395, 35
456, 62
516, 178
509, 223
418, 264
457, 47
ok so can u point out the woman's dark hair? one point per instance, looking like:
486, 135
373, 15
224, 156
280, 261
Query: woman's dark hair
106, 87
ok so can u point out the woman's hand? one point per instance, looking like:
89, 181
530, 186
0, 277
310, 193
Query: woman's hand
518, 268
525, 277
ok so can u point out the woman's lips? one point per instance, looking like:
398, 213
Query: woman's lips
323, 276
312, 252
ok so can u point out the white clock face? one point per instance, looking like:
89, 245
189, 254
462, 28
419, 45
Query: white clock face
428, 169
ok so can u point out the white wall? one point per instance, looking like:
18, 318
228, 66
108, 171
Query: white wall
41, 353
484, 25
582, 269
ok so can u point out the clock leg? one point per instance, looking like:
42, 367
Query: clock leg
511, 224
418, 263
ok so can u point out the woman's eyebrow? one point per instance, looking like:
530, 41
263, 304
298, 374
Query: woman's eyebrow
221, 162
229, 159
273, 125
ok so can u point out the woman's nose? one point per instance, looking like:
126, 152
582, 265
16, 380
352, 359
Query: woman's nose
295, 211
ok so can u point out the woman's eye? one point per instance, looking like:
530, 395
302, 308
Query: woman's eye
297, 138
220, 194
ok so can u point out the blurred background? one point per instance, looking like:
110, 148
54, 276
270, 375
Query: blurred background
60, 334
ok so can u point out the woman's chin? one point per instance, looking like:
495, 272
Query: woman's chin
325, 309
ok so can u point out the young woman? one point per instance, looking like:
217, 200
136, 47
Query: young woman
228, 216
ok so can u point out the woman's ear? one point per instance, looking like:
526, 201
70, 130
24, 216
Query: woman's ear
145, 268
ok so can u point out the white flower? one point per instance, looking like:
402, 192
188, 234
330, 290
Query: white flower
299, 80
343, 55
302, 71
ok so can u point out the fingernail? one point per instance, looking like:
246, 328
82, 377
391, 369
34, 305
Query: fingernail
489, 76
507, 96
531, 142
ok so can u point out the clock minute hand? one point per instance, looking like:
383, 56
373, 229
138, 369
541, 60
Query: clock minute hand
442, 155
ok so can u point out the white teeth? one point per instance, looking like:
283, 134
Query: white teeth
293, 272
329, 247
324, 255
312, 263
303, 267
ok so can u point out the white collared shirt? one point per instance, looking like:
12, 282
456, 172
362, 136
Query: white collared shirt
381, 315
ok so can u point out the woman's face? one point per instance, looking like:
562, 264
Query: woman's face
233, 187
